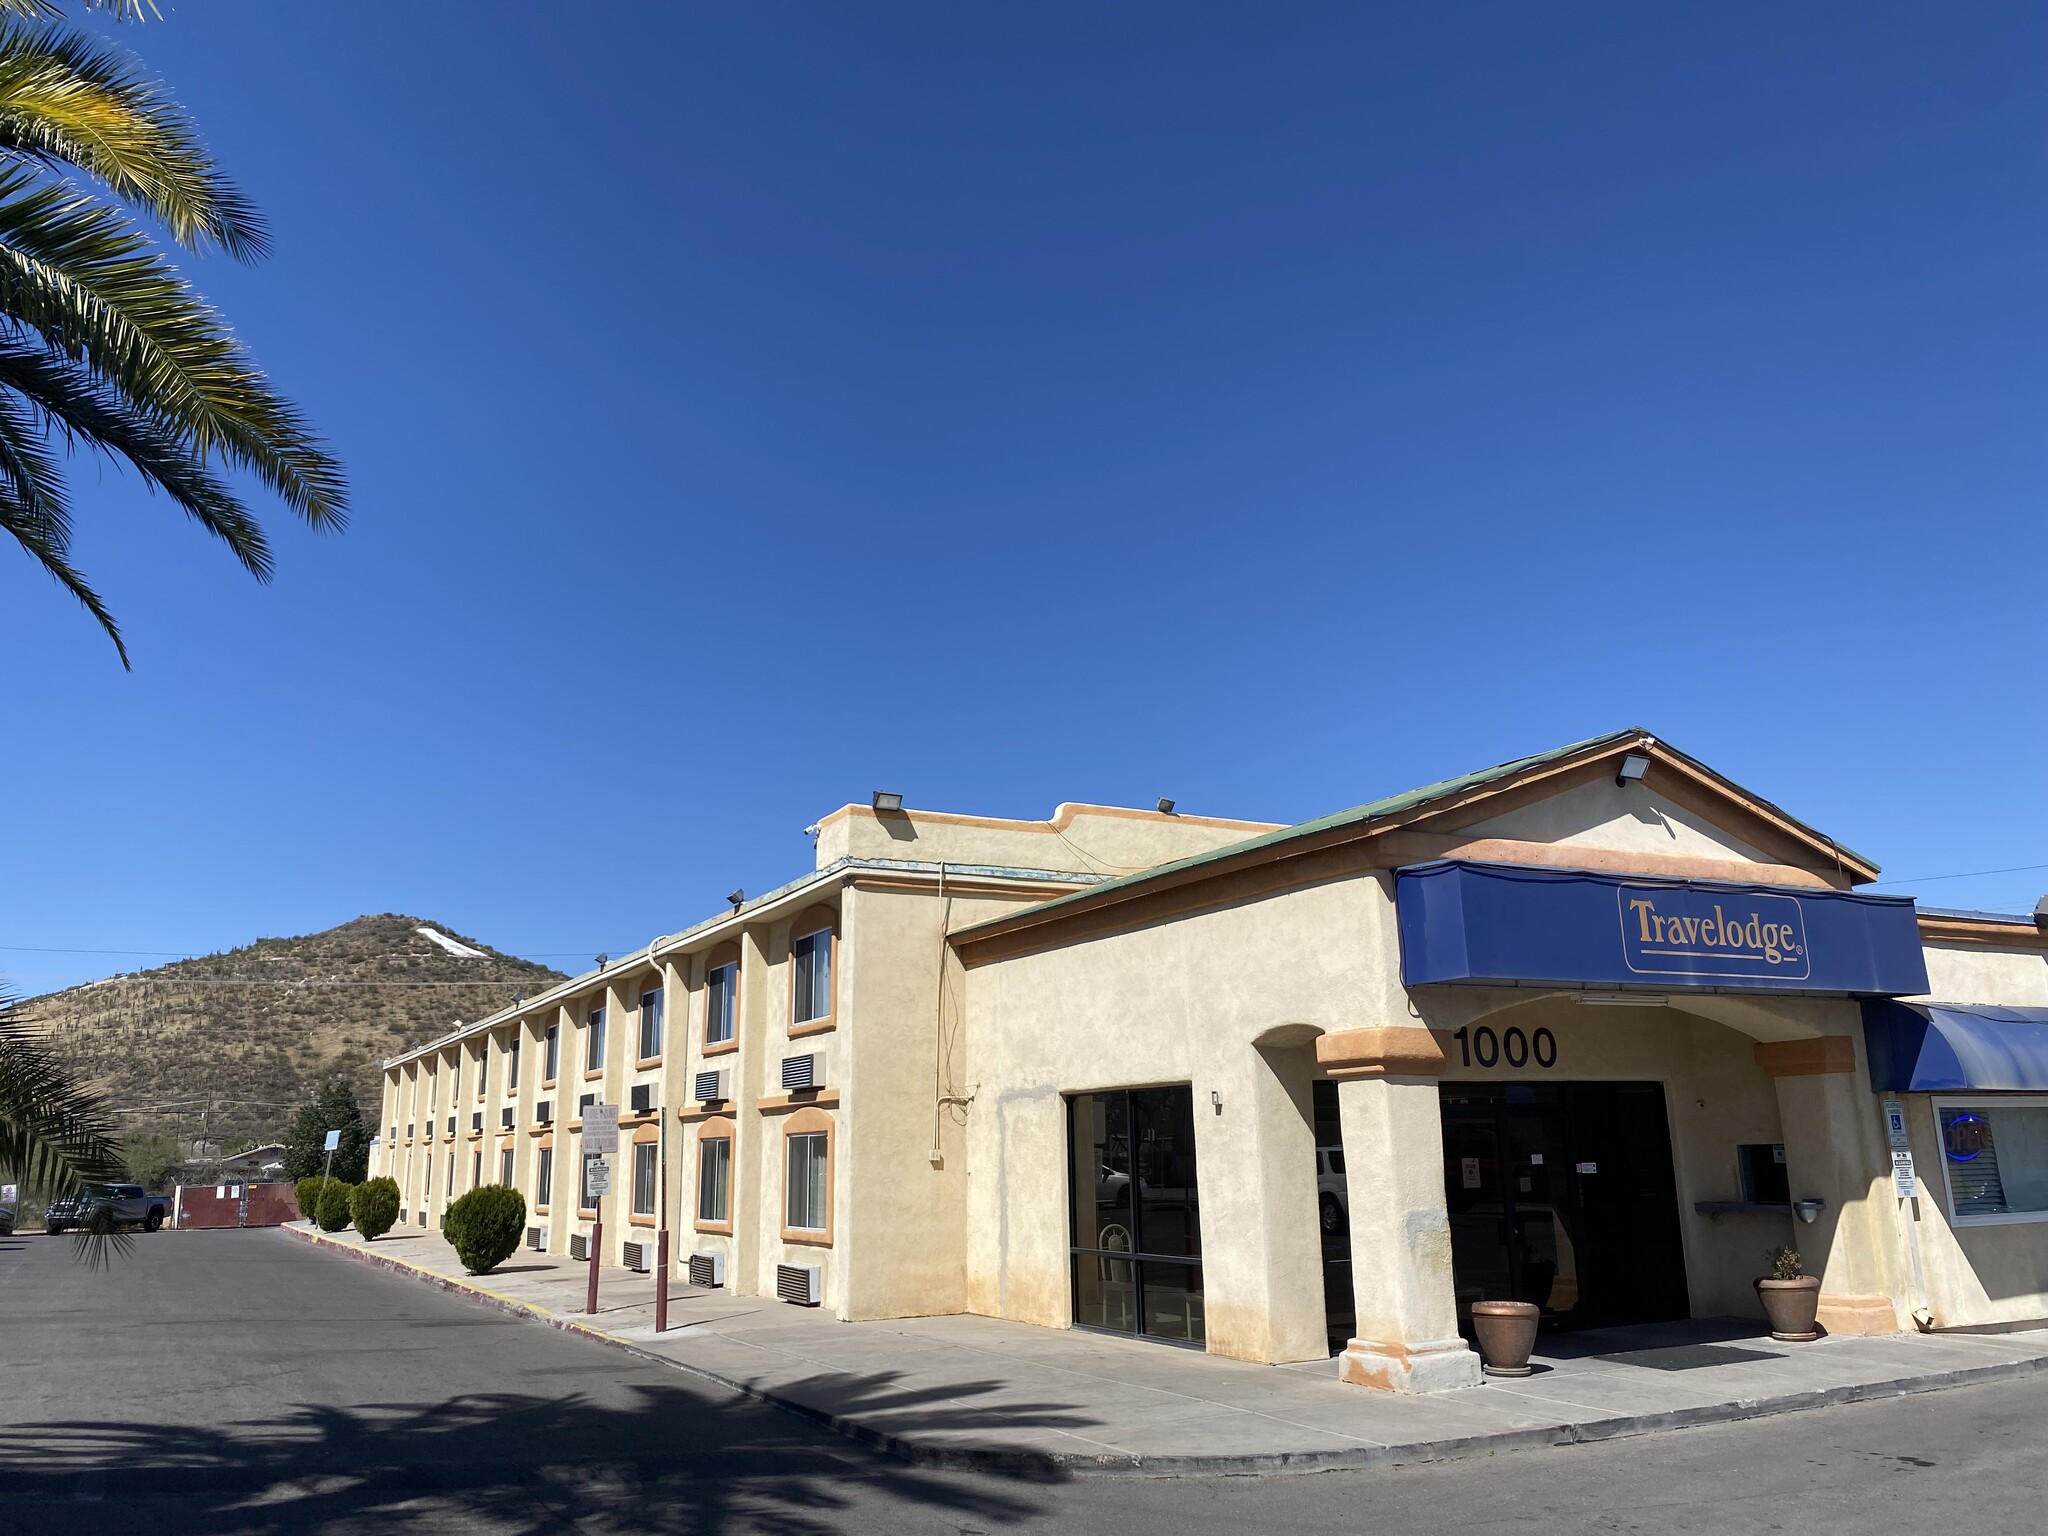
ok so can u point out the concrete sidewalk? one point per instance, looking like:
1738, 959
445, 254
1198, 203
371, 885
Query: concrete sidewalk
977, 1393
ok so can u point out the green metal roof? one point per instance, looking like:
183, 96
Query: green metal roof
1377, 810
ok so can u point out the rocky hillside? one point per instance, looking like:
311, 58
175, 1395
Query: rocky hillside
243, 1038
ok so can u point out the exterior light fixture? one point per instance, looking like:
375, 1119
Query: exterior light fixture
2041, 913
1165, 807
886, 802
736, 898
1808, 1211
1622, 999
603, 960
1633, 767
1216, 1100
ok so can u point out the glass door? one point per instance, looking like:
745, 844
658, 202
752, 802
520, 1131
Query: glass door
1137, 1234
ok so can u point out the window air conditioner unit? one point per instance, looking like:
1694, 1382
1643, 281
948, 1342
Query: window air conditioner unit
643, 1098
476, 1121
797, 1284
713, 1087
707, 1269
536, 1238
505, 1119
423, 1218
401, 1215
802, 1072
544, 1112
579, 1246
636, 1257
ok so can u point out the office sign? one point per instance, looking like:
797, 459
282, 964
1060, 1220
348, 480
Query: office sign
1519, 925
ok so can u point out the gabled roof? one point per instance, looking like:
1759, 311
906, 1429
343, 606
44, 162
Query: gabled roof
1415, 804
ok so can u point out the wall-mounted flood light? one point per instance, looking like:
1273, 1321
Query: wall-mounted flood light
2041, 913
736, 898
884, 800
1165, 807
603, 960
1633, 767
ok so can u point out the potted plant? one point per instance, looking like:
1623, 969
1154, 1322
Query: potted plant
1791, 1298
1506, 1331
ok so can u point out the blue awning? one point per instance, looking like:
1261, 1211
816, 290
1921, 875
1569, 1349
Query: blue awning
1935, 1047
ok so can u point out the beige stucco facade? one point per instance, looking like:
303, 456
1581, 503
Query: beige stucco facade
986, 972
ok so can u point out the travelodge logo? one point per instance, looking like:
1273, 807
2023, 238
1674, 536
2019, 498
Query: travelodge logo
1680, 931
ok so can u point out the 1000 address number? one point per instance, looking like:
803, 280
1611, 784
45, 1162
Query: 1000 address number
1486, 1048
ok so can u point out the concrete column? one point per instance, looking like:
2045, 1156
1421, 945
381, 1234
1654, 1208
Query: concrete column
1834, 1151
1400, 1229
1261, 1185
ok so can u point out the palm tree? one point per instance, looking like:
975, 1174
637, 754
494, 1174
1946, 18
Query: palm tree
54, 1135
102, 344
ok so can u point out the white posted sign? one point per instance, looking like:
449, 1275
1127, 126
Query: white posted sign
597, 1177
601, 1128
333, 1141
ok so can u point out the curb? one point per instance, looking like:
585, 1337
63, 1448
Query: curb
1357, 1459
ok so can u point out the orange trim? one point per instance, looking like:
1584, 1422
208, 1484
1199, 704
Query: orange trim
810, 1120
540, 1210
592, 1074
640, 1221
648, 1132
809, 1098
1977, 932
645, 1062
1823, 1055
722, 1047
810, 922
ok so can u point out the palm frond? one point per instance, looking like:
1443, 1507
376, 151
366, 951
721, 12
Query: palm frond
65, 99
33, 510
92, 285
54, 1135
49, 10
74, 403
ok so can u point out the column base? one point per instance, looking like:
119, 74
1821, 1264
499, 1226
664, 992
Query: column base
1858, 1315
1435, 1365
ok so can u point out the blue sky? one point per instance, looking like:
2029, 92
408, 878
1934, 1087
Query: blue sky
1270, 407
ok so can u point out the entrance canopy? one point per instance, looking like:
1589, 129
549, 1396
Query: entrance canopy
1521, 925
1933, 1047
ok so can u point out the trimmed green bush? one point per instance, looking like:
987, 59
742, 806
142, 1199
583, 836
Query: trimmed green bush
333, 1214
485, 1225
374, 1207
308, 1192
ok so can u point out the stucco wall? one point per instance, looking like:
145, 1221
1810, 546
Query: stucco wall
1604, 815
1962, 973
1107, 840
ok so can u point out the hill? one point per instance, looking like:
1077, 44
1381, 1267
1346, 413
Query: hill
230, 1044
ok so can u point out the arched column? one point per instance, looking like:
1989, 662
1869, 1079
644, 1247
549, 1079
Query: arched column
1407, 1329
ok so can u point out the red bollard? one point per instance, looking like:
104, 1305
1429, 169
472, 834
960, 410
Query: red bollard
661, 1281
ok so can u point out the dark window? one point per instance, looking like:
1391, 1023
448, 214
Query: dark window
1137, 1238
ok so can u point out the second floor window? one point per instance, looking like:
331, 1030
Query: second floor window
810, 958
552, 1057
721, 987
483, 1069
512, 1064
593, 1041
650, 1023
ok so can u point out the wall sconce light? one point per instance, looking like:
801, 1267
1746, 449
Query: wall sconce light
1633, 767
1216, 1101
1165, 807
886, 801
1808, 1211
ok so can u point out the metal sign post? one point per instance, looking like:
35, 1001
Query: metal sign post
661, 1232
327, 1173
600, 1136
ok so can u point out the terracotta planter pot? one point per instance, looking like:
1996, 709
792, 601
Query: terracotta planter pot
1506, 1331
1791, 1305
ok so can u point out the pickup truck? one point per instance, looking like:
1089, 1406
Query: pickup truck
127, 1205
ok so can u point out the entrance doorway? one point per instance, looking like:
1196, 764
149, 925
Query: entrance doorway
1333, 1217
1563, 1194
1137, 1243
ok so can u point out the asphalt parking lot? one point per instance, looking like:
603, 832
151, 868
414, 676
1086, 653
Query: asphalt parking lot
242, 1382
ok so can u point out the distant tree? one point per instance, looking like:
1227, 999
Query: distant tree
155, 1162
334, 1108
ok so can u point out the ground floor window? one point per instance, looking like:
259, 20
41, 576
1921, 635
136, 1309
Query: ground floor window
476, 1173
807, 1154
505, 1167
1137, 1235
1994, 1159
544, 1177
646, 1168
714, 1180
